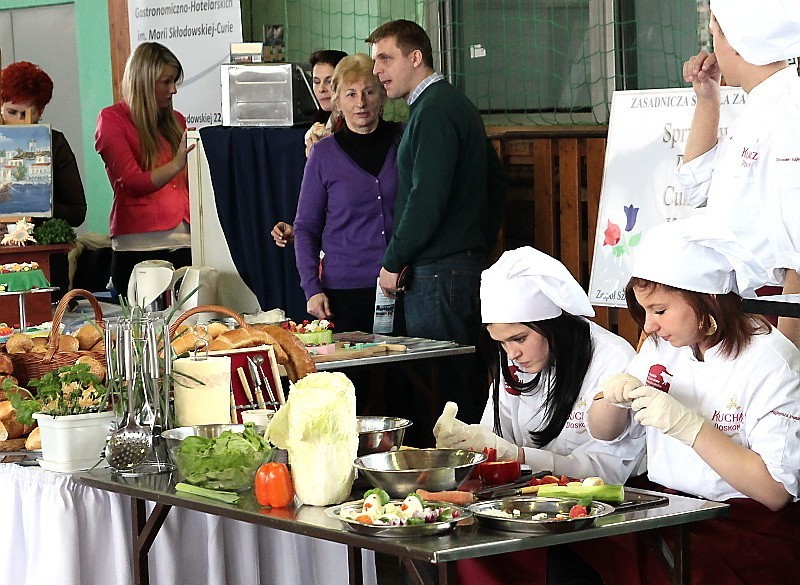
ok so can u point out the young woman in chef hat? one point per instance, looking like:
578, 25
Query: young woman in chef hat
717, 393
749, 174
548, 365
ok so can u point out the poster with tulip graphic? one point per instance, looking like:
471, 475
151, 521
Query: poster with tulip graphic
647, 135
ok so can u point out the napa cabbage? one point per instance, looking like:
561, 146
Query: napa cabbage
318, 428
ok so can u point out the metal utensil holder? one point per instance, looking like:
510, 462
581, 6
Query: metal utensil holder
151, 374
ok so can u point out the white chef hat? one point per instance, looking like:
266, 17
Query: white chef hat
527, 285
762, 31
698, 255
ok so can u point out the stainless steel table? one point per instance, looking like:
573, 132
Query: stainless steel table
465, 542
426, 380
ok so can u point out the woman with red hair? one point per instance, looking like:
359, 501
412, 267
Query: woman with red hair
25, 90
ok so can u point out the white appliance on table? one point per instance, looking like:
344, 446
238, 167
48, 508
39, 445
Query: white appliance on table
156, 285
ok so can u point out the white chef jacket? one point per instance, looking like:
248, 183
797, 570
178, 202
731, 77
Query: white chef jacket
751, 178
573, 452
754, 399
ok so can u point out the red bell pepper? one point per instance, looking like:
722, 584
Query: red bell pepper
273, 485
499, 472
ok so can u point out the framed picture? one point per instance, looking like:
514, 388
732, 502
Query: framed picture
26, 171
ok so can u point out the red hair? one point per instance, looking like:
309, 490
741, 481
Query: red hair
23, 82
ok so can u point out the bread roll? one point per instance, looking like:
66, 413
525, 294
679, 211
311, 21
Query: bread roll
11, 427
216, 329
202, 332
37, 341
6, 410
299, 362
239, 338
280, 353
101, 346
16, 390
185, 342
34, 440
95, 367
38, 349
19, 343
6, 365
67, 343
88, 334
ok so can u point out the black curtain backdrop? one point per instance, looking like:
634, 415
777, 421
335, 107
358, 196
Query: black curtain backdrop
256, 173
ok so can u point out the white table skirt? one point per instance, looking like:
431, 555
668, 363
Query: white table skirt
57, 531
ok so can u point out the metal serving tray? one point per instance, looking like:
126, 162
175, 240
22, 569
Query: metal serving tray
523, 508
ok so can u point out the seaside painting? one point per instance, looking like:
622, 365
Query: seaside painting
26, 171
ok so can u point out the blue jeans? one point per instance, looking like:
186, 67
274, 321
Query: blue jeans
443, 302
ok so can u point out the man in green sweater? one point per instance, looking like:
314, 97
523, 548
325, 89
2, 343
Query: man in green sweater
450, 201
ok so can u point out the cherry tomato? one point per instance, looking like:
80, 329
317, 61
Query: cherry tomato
274, 485
578, 511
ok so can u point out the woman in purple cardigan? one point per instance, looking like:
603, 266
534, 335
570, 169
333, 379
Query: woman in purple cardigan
346, 204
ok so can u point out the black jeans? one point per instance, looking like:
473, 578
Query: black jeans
122, 264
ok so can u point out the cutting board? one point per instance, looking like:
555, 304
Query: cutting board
340, 353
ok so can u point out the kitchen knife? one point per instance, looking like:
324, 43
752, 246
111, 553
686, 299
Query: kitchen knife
528, 489
488, 492
258, 360
256, 383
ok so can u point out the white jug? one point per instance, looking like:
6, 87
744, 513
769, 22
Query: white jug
150, 285
198, 286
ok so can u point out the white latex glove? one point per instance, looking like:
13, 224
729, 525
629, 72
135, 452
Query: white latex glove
658, 409
476, 438
447, 419
617, 388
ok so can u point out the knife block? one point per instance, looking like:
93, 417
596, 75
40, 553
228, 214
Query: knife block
239, 360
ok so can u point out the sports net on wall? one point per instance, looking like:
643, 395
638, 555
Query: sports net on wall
524, 62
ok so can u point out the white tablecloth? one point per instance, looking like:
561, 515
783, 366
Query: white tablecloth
55, 531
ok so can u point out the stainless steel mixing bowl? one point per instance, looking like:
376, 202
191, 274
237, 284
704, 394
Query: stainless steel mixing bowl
377, 434
402, 472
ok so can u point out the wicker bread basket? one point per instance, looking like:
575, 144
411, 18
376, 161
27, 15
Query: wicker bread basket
35, 365
299, 361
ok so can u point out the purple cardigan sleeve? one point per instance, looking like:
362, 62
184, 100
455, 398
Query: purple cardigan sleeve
309, 223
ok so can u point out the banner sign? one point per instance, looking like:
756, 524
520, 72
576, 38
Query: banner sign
200, 33
647, 135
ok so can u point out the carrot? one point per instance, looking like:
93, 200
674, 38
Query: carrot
458, 498
364, 519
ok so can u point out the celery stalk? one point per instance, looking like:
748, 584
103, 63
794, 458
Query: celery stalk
227, 497
604, 493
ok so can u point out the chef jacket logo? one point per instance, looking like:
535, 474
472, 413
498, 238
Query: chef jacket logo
659, 377
513, 369
749, 157
576, 419
729, 421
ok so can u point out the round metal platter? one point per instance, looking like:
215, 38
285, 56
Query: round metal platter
433, 529
494, 514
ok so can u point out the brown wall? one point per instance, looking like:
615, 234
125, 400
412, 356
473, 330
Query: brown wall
555, 175
120, 41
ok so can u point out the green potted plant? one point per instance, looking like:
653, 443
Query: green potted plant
72, 409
